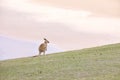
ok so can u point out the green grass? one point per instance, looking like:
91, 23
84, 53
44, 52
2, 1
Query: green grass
99, 63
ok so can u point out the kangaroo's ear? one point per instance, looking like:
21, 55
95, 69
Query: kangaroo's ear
45, 39
48, 42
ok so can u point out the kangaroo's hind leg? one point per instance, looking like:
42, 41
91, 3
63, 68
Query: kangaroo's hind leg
40, 52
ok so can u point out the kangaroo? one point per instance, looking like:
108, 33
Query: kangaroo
43, 47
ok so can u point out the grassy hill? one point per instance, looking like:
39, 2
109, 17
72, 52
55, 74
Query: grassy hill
99, 63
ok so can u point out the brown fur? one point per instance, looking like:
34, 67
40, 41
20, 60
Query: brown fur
43, 46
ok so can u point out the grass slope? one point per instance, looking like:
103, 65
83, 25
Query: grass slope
99, 63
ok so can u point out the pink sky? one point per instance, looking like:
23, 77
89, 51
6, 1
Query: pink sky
72, 24
101, 7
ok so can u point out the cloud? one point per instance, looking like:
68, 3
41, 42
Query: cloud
44, 12
78, 20
98, 25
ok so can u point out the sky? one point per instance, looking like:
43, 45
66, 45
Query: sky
70, 24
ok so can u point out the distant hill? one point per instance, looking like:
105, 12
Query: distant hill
12, 48
99, 63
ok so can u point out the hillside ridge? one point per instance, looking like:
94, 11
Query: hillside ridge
98, 63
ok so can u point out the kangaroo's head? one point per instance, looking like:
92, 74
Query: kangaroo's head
46, 41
